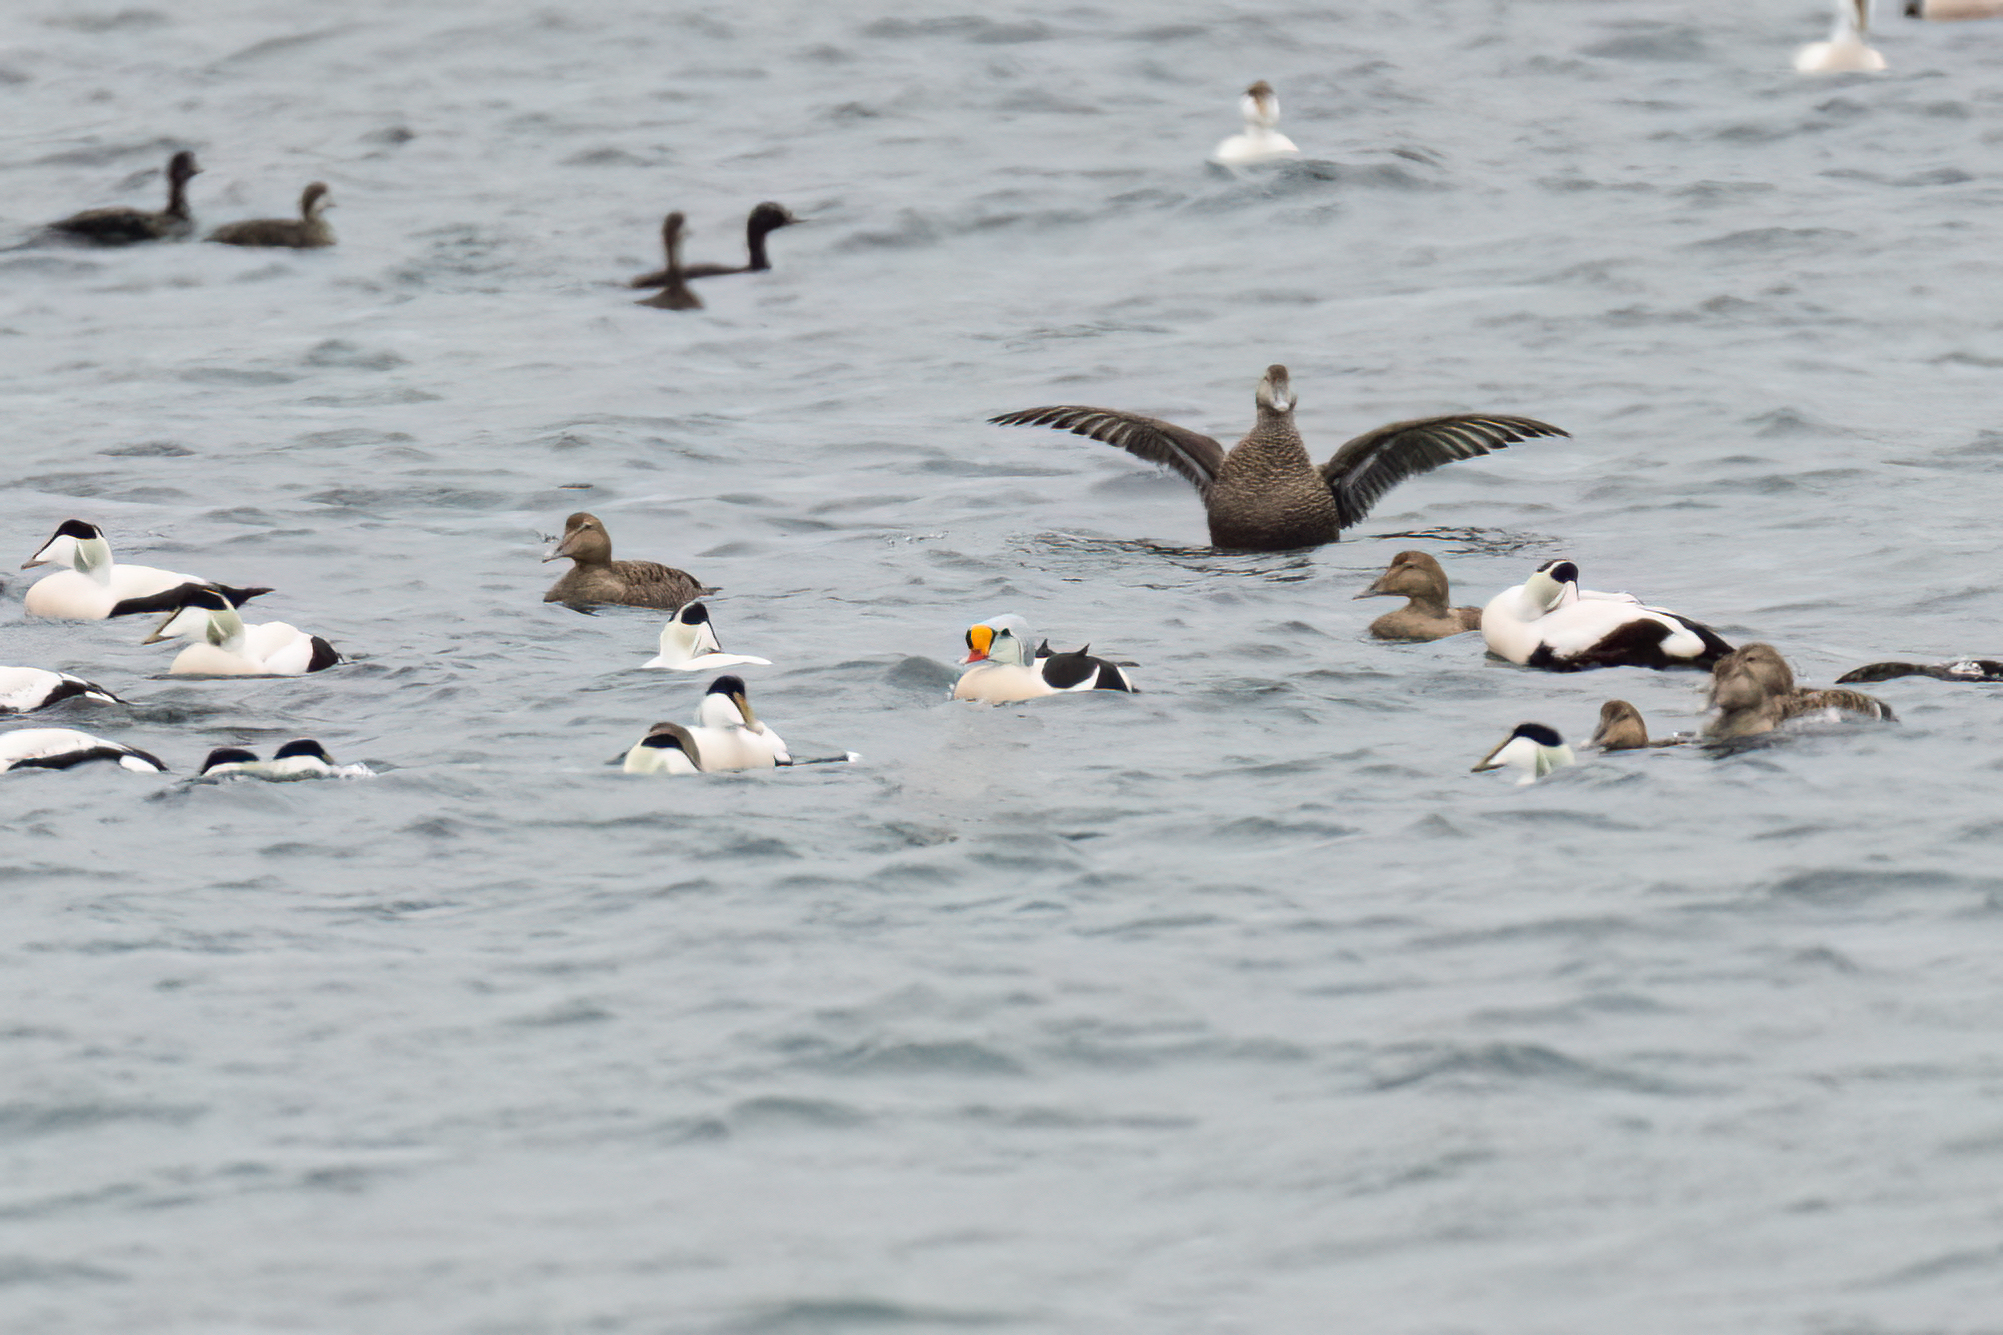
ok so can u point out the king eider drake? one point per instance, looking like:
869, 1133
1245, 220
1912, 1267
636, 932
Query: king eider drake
1845, 52
1754, 692
95, 586
1266, 495
23, 690
1260, 140
1532, 748
60, 748
1001, 670
689, 644
306, 232
303, 758
728, 735
122, 226
225, 647
1548, 622
594, 577
1417, 576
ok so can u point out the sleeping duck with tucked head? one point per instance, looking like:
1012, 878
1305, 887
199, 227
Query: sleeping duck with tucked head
1266, 494
95, 586
1549, 622
1417, 576
1001, 669
223, 646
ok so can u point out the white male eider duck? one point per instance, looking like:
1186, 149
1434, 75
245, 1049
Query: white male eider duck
303, 758
688, 644
23, 690
1532, 748
1000, 669
95, 586
1548, 622
1266, 495
1753, 690
1417, 576
728, 736
60, 748
225, 646
122, 226
1961, 669
1845, 52
308, 231
1260, 140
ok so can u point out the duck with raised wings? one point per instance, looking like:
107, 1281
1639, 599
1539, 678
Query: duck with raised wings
1549, 622
1266, 494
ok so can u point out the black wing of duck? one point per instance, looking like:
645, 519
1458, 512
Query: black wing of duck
1190, 453
1963, 669
1364, 469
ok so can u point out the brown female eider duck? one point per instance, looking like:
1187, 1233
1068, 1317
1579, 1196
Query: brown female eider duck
1266, 495
674, 294
306, 232
1417, 576
124, 226
1754, 692
594, 577
1621, 729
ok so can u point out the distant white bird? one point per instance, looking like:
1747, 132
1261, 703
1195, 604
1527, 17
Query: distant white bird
60, 748
688, 644
1532, 748
1845, 52
1260, 140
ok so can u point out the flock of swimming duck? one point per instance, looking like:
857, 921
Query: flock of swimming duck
1263, 494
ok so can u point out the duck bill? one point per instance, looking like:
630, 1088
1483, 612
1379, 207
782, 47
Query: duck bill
1489, 761
980, 639
1376, 590
744, 708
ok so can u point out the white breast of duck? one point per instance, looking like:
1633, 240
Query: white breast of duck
95, 586
1533, 748
730, 735
1846, 51
1547, 622
1001, 670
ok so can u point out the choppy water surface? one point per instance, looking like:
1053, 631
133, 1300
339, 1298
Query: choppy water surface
1236, 1005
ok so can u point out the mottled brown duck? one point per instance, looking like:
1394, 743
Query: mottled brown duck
594, 577
306, 232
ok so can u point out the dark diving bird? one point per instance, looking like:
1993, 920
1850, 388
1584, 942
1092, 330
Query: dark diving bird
124, 226
308, 231
1266, 494
675, 294
765, 219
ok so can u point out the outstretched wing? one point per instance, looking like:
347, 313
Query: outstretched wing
1190, 453
1363, 470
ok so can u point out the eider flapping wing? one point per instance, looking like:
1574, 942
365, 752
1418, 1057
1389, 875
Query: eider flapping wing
1190, 453
1363, 470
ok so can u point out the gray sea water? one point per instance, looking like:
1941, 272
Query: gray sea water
1236, 1005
